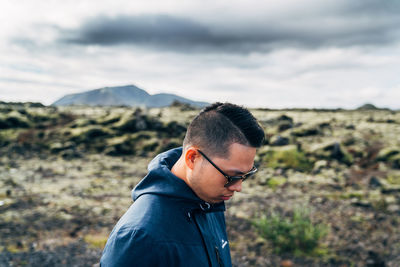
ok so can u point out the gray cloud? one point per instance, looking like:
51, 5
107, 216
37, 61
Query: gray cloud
361, 23
154, 30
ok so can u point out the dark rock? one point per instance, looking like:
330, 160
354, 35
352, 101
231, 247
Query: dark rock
70, 154
374, 260
13, 122
390, 190
3, 124
284, 126
174, 129
324, 125
141, 123
168, 144
374, 182
386, 154
285, 118
361, 204
299, 146
390, 156
279, 141
95, 133
149, 146
120, 149
333, 151
306, 132
350, 127
396, 162
336, 151
349, 141
56, 147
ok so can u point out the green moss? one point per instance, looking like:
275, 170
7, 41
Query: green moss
275, 182
387, 153
357, 219
358, 195
288, 159
96, 241
149, 145
394, 179
142, 135
380, 205
16, 249
347, 158
14, 120
167, 144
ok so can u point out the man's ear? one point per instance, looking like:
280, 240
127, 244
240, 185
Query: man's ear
190, 157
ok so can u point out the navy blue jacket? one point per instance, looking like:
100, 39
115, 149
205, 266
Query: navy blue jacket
168, 225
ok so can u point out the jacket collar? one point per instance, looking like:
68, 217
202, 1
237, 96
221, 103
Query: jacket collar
161, 181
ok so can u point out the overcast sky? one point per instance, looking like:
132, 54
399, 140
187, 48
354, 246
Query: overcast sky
276, 54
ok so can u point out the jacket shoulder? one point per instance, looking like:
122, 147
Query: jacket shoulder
162, 218
126, 246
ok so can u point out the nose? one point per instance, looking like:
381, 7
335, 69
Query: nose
236, 186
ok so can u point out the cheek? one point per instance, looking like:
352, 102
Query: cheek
209, 179
216, 180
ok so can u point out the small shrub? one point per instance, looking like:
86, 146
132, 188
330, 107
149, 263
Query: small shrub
296, 234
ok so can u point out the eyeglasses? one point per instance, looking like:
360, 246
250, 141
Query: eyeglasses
231, 179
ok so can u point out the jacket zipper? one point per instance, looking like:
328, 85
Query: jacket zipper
218, 257
204, 241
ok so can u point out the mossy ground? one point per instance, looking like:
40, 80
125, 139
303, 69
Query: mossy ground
66, 178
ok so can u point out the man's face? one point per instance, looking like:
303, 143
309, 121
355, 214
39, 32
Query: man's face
209, 184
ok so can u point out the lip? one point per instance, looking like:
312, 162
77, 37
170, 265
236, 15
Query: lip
226, 197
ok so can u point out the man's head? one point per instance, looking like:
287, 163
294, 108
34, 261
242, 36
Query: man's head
220, 125
218, 151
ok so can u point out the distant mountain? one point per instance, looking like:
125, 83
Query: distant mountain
129, 95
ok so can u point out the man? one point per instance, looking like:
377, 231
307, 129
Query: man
177, 216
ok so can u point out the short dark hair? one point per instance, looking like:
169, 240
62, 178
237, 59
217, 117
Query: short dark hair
219, 125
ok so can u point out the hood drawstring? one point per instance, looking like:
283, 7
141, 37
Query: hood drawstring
205, 206
189, 216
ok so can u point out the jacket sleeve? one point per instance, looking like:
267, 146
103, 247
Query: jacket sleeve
129, 247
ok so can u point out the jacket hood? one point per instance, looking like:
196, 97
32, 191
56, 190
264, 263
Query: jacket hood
161, 181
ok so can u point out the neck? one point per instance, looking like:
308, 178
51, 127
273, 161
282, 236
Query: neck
179, 169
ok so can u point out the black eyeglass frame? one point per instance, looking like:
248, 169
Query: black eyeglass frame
231, 179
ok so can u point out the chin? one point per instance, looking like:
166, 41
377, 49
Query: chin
215, 201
